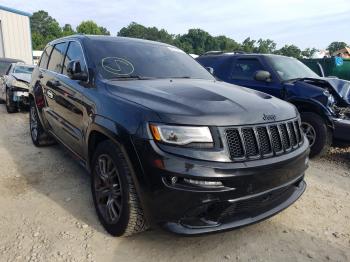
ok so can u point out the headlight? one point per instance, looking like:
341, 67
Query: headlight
20, 84
180, 135
331, 100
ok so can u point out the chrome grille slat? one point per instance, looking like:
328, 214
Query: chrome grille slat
262, 141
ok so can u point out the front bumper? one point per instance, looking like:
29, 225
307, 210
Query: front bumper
341, 129
20, 97
251, 191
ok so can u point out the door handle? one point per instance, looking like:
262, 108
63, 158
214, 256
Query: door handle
54, 83
50, 94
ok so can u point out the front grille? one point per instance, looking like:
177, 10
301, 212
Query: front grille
263, 141
251, 145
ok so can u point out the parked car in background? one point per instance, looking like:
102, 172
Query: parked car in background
324, 103
14, 86
165, 143
5, 63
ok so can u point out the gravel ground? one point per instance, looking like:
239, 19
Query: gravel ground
47, 214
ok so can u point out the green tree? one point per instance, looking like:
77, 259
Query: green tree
67, 30
266, 46
248, 45
89, 27
227, 44
335, 46
289, 50
308, 52
150, 33
200, 40
44, 29
104, 31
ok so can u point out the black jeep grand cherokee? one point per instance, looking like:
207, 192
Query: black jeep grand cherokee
166, 144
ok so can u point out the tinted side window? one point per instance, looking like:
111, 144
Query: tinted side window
56, 58
245, 68
45, 57
74, 53
10, 69
4, 66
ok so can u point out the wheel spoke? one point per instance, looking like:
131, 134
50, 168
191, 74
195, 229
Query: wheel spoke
310, 132
111, 209
112, 171
102, 192
102, 170
108, 191
116, 192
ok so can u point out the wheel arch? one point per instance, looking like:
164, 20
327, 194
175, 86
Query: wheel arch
313, 107
105, 129
102, 129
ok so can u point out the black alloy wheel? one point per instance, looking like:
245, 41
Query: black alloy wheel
108, 189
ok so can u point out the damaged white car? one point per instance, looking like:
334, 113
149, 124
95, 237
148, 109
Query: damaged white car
14, 86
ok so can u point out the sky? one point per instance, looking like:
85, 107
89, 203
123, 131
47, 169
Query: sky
305, 23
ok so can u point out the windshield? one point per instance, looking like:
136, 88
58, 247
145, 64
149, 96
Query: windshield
23, 70
290, 68
119, 59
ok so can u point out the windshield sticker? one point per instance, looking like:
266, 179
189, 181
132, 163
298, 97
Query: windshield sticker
174, 49
117, 66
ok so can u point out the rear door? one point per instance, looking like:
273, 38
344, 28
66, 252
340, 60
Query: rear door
243, 71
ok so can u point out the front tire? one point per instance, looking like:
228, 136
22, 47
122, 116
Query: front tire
317, 132
113, 191
11, 107
39, 136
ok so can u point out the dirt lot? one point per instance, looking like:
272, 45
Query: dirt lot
47, 214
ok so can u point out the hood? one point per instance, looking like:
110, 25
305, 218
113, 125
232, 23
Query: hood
312, 85
342, 87
202, 102
22, 77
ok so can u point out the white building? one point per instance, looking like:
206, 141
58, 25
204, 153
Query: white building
15, 35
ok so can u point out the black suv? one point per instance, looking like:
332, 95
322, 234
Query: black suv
165, 143
324, 103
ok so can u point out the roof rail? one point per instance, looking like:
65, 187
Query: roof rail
213, 53
222, 53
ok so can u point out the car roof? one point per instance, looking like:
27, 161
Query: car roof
10, 60
22, 64
117, 39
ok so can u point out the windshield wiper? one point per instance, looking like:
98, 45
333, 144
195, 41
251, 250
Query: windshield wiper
184, 77
300, 79
131, 77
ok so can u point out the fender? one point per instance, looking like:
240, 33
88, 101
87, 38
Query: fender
312, 105
118, 135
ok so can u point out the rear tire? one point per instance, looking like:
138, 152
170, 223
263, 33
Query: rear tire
318, 133
11, 107
113, 191
39, 136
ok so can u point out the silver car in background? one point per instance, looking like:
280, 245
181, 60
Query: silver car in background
14, 86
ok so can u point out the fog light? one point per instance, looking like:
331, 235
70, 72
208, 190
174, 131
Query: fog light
173, 180
202, 183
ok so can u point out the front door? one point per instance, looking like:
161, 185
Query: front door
243, 74
68, 101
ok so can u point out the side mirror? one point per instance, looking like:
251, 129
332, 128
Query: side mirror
74, 71
210, 70
263, 76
